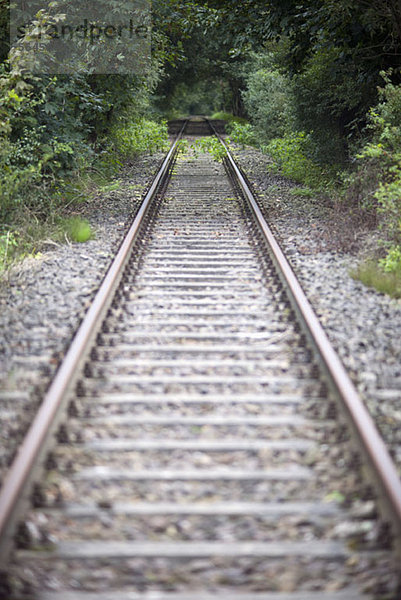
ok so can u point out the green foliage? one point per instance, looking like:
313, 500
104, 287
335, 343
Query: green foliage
268, 97
243, 134
194, 98
8, 241
183, 146
378, 175
376, 183
77, 229
328, 96
230, 118
55, 141
302, 192
54, 126
213, 146
290, 156
323, 70
131, 139
44, 137
206, 78
392, 262
294, 65
373, 275
388, 196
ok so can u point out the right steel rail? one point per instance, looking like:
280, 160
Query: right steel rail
381, 466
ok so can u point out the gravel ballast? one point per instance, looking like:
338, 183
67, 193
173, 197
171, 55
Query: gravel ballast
363, 325
43, 300
42, 306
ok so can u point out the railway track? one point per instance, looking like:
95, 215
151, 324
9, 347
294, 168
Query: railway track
195, 447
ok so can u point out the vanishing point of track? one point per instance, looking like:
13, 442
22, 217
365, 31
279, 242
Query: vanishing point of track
176, 448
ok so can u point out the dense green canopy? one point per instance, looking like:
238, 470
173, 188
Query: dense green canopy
333, 51
309, 66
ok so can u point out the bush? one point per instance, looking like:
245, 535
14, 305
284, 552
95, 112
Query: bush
268, 99
14, 182
243, 134
131, 139
290, 156
77, 229
271, 100
376, 183
330, 96
211, 145
392, 262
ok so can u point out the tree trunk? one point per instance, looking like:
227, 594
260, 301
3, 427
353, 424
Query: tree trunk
238, 108
395, 8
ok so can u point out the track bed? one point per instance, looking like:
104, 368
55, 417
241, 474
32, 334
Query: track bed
201, 460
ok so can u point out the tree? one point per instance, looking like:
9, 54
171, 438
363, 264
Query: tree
332, 50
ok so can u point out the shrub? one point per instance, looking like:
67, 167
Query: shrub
376, 183
268, 98
392, 262
15, 181
133, 138
77, 229
331, 94
243, 134
290, 156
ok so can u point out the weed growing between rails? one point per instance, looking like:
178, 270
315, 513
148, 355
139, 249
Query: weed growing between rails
183, 146
212, 146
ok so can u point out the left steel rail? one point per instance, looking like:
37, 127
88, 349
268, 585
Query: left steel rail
27, 466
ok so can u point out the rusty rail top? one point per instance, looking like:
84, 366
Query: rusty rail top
381, 464
19, 479
21, 476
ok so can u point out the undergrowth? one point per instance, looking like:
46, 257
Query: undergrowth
242, 134
290, 157
371, 274
131, 139
225, 116
40, 210
365, 192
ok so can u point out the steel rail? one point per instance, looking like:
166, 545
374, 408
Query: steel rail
382, 468
20, 478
